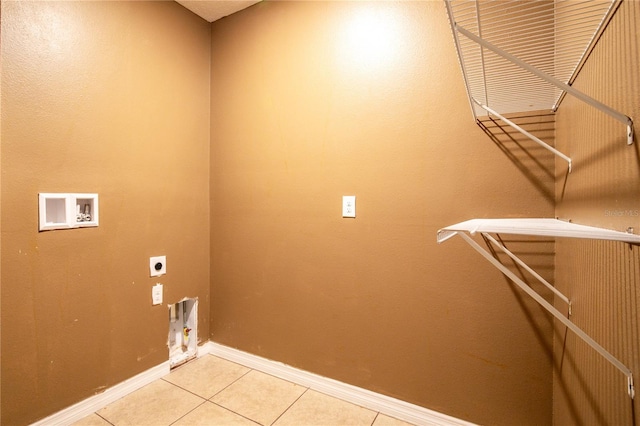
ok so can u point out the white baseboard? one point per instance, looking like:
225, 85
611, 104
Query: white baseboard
94, 403
374, 401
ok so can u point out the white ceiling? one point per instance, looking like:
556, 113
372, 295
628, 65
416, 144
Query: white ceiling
212, 10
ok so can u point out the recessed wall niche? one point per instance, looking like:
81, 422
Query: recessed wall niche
183, 331
67, 211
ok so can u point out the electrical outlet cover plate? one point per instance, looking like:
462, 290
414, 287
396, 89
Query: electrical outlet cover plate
349, 206
157, 266
156, 294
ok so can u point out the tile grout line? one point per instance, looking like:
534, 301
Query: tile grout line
249, 370
187, 413
245, 374
383, 404
226, 387
208, 400
234, 412
96, 413
377, 413
290, 405
184, 389
204, 399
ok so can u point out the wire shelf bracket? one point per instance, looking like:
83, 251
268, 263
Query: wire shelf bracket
547, 228
527, 134
523, 56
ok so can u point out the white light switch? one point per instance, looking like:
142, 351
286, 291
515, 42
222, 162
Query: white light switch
156, 294
157, 266
349, 206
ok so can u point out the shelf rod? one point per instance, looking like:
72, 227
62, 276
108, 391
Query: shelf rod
553, 311
524, 132
594, 39
456, 40
578, 94
530, 270
484, 67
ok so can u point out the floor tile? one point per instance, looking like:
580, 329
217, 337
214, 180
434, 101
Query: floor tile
158, 403
383, 420
207, 375
211, 414
315, 408
92, 420
259, 397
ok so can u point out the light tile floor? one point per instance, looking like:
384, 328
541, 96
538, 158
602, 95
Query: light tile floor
214, 391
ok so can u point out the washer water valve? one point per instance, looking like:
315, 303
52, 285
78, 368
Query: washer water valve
185, 337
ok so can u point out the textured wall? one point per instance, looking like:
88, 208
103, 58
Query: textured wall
602, 278
308, 106
106, 97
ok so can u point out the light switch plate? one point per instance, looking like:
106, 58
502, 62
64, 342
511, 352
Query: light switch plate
157, 266
349, 206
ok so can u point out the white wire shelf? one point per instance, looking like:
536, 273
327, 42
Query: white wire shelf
522, 56
542, 227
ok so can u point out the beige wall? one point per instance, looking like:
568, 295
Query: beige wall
602, 278
302, 114
113, 98
128, 99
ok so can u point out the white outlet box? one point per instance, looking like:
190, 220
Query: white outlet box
349, 206
67, 210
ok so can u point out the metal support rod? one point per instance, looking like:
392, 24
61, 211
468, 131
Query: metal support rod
530, 270
524, 132
462, 64
484, 68
596, 36
553, 311
549, 79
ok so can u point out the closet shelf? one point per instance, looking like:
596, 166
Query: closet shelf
521, 56
546, 228
543, 227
